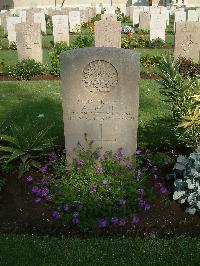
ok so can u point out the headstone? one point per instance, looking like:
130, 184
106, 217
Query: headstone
29, 41
157, 27
84, 15
187, 40
136, 16
74, 20
107, 33
40, 18
11, 22
60, 28
110, 10
103, 100
180, 16
155, 11
22, 14
193, 16
4, 17
144, 23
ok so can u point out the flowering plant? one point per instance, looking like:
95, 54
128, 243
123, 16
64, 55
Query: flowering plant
95, 188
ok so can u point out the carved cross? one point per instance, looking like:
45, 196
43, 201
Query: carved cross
102, 140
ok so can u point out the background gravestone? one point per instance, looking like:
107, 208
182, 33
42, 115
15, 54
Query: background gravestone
144, 23
155, 30
74, 20
29, 41
60, 28
187, 40
11, 22
103, 98
108, 32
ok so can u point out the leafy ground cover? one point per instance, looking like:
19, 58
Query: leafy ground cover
31, 250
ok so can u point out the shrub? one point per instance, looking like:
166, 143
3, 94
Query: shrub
150, 61
96, 18
95, 189
187, 183
25, 145
132, 41
26, 69
188, 68
2, 66
157, 43
127, 29
179, 92
83, 40
54, 57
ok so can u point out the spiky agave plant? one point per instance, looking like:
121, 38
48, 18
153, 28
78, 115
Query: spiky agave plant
26, 145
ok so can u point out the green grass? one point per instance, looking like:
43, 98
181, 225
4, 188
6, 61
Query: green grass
51, 251
19, 99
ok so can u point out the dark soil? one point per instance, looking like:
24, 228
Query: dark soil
143, 75
20, 214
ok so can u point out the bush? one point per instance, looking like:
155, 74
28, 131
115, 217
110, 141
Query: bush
26, 69
187, 183
127, 29
157, 43
95, 189
188, 68
83, 40
54, 57
179, 92
13, 46
2, 66
150, 61
132, 41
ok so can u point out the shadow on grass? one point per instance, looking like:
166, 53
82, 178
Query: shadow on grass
157, 133
46, 110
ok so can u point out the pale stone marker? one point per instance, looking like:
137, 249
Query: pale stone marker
107, 33
192, 16
187, 40
157, 27
100, 97
144, 23
136, 16
22, 14
11, 22
110, 10
60, 28
74, 20
29, 41
40, 18
84, 15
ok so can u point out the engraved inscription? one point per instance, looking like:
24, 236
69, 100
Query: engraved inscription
99, 76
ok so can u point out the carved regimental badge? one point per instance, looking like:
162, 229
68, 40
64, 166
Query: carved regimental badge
99, 76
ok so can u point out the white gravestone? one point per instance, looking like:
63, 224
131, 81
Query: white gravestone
157, 27
60, 28
11, 22
74, 20
40, 18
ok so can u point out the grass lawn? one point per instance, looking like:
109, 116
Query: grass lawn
20, 99
50, 251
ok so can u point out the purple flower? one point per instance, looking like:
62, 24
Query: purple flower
139, 173
138, 152
45, 191
66, 207
45, 168
80, 163
44, 181
93, 188
99, 170
129, 166
29, 178
163, 190
102, 223
52, 156
105, 181
114, 220
36, 190
98, 154
38, 200
79, 204
140, 191
120, 154
135, 219
141, 202
75, 220
147, 206
149, 162
121, 221
55, 214
75, 214
122, 202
